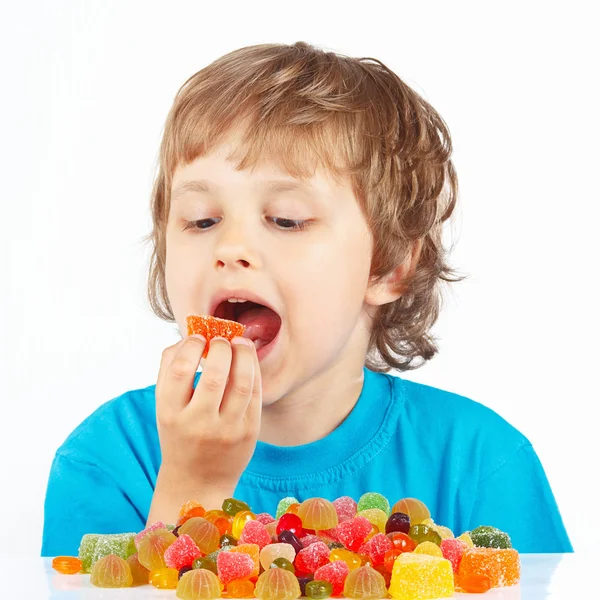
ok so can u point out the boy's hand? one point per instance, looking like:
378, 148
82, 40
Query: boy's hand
207, 435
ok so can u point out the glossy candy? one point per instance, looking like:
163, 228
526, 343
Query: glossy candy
374, 500
205, 563
139, 573
376, 517
398, 522
402, 541
318, 590
151, 552
196, 511
290, 522
317, 514
466, 538
269, 553
111, 571
365, 583
284, 504
421, 576
287, 537
227, 540
232, 506
283, 563
350, 558
490, 537
428, 548
239, 522
277, 584
424, 533
204, 533
164, 578
240, 588
138, 538
414, 508
67, 565
211, 327
474, 584
188, 506
198, 584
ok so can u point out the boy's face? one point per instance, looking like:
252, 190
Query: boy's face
316, 278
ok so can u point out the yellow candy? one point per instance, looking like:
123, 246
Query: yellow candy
376, 517
444, 532
164, 579
352, 559
317, 514
429, 548
416, 510
429, 522
239, 521
466, 538
421, 576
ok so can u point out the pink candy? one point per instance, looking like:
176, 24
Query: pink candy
142, 534
265, 518
376, 548
352, 533
254, 532
234, 565
309, 559
182, 552
345, 507
453, 550
335, 573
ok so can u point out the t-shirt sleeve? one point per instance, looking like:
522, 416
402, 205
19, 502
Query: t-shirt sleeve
516, 498
80, 499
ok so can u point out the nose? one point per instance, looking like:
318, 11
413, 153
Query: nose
234, 247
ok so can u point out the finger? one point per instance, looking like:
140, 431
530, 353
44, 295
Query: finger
166, 359
241, 380
254, 411
207, 397
177, 383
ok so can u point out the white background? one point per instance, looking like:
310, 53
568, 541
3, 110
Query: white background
85, 89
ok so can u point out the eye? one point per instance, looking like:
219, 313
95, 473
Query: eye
282, 224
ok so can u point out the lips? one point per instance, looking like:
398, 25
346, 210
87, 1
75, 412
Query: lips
224, 294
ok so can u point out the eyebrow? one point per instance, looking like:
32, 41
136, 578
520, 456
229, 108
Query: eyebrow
273, 185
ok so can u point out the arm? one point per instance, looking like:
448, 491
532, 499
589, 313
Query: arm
517, 498
80, 499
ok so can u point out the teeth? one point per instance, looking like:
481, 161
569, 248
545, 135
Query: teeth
234, 300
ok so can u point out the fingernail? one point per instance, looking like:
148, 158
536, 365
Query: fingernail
199, 336
241, 341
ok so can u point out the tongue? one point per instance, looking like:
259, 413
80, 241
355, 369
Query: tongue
262, 325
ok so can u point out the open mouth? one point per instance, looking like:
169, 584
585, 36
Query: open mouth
262, 323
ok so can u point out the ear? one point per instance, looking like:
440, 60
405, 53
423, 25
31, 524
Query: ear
390, 288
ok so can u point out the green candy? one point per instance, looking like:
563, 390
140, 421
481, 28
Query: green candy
422, 533
170, 527
213, 555
490, 537
86, 550
282, 563
95, 546
232, 506
319, 590
335, 545
227, 540
374, 500
284, 504
205, 563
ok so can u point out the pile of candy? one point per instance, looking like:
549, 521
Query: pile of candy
316, 549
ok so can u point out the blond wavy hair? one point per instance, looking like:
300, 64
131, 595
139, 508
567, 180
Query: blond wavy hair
306, 108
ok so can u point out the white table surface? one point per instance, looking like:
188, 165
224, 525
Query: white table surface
543, 577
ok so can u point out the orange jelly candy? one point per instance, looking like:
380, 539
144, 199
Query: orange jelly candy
240, 588
188, 506
68, 565
474, 584
211, 327
196, 511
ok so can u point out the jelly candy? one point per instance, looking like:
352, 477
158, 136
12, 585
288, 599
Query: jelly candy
138, 538
290, 522
205, 535
475, 584
265, 518
424, 533
120, 544
293, 508
234, 565
151, 552
182, 552
252, 550
283, 505
376, 548
211, 327
453, 549
365, 583
374, 500
239, 522
390, 558
111, 571
490, 537
402, 541
421, 576
318, 590
308, 560
415, 509
335, 573
466, 538
205, 563
501, 565
269, 553
232, 506
350, 558
277, 584
198, 584
387, 575
282, 563
227, 540
287, 537
376, 517
353, 532
68, 565
240, 588
255, 532
303, 581
139, 573
444, 532
428, 548
188, 506
345, 507
196, 511
86, 550
307, 540
398, 522
184, 570
164, 578
317, 513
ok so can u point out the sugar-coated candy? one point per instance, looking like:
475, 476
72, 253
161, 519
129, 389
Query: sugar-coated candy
138, 538
287, 537
234, 565
255, 532
282, 563
335, 573
308, 560
86, 550
164, 578
444, 532
365, 583
120, 544
416, 510
428, 548
350, 558
353, 532
205, 563
318, 590
264, 518
151, 552
376, 517
68, 565
253, 551
277, 584
501, 565
466, 538
284, 504
239, 522
232, 506
345, 507
424, 533
204, 533
376, 548
474, 584
198, 584
111, 571
307, 540
452, 550
290, 522
269, 553
188, 506
182, 552
490, 537
139, 573
421, 576
211, 327
240, 588
402, 541
318, 514
398, 522
374, 500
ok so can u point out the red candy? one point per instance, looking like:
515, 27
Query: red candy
453, 550
307, 540
335, 573
255, 532
376, 548
265, 518
234, 565
352, 533
346, 508
290, 522
308, 560
182, 552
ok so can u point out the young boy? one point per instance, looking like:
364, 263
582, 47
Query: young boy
312, 187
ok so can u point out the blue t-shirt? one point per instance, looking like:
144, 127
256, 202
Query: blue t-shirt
401, 439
